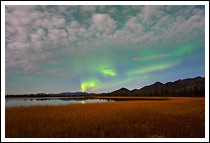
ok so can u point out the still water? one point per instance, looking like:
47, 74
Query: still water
14, 102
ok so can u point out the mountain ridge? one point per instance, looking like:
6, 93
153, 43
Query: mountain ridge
181, 86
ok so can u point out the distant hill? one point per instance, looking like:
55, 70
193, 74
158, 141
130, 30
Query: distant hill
182, 87
52, 94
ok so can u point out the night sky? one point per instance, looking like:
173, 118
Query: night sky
54, 49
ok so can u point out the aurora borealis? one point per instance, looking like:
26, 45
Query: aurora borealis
70, 48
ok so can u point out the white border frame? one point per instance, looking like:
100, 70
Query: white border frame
206, 3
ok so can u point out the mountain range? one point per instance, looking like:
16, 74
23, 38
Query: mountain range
188, 86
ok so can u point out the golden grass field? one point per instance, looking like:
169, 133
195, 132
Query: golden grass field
179, 117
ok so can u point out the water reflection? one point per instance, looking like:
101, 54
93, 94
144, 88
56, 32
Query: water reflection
13, 102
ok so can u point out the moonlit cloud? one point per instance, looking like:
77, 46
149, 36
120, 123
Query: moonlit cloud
103, 22
53, 62
51, 71
89, 8
149, 12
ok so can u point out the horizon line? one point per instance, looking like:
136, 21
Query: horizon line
103, 92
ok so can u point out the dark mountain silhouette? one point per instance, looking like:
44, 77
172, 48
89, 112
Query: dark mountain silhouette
134, 90
122, 91
189, 82
178, 84
155, 86
182, 87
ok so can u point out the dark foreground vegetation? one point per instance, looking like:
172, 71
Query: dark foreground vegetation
178, 117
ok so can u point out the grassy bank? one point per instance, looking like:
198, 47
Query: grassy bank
177, 117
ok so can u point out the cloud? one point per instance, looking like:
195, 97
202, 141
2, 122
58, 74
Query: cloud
134, 24
59, 22
74, 24
21, 58
40, 32
71, 74
18, 46
57, 35
103, 22
181, 26
53, 62
155, 24
73, 38
113, 10
21, 7
36, 33
150, 11
121, 34
151, 57
56, 71
10, 73
88, 8
29, 66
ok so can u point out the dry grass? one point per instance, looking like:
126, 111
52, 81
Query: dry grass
127, 119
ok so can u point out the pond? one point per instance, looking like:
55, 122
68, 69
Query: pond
14, 102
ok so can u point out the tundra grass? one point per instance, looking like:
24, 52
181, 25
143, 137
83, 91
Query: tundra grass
174, 118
